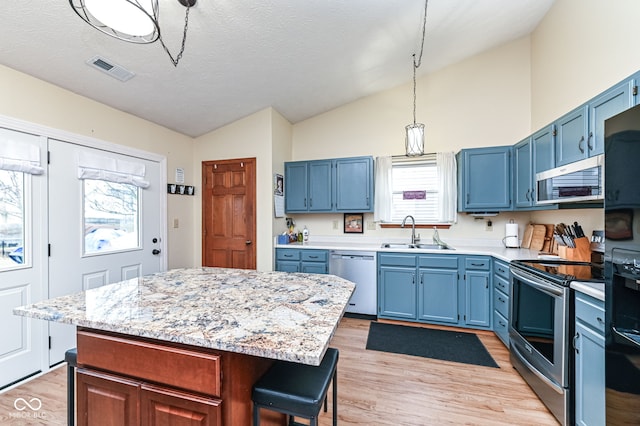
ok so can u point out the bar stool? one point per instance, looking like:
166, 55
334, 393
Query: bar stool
297, 390
71, 357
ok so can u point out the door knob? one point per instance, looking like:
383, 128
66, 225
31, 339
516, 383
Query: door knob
247, 242
155, 251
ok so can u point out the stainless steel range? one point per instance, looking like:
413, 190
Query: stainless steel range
540, 327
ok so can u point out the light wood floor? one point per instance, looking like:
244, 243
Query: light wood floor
374, 388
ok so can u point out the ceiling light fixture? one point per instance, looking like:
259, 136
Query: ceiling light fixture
414, 142
135, 21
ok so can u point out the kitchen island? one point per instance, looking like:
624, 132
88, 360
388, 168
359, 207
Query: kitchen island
190, 343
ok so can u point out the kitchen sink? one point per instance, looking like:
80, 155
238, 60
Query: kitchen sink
417, 246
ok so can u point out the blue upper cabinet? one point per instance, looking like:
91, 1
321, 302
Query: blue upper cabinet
295, 188
581, 132
320, 179
543, 149
334, 185
523, 174
571, 140
485, 179
354, 184
606, 105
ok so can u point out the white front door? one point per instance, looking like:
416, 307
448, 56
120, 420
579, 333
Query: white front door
100, 232
23, 265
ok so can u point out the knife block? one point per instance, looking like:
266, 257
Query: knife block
581, 253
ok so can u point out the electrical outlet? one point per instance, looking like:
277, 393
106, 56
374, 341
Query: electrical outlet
336, 224
176, 223
489, 226
371, 225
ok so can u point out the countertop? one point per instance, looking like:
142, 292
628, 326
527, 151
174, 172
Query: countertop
465, 247
285, 316
592, 289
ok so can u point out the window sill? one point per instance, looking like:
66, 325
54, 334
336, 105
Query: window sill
418, 226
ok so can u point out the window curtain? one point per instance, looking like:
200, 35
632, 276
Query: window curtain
20, 157
447, 186
383, 190
91, 166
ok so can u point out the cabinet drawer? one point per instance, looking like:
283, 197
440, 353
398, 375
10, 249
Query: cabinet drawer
444, 261
288, 254
501, 327
501, 284
501, 303
479, 263
590, 311
314, 255
501, 269
390, 259
178, 367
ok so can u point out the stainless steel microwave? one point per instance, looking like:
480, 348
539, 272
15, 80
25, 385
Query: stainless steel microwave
576, 182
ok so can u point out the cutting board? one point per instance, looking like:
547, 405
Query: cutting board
528, 235
538, 237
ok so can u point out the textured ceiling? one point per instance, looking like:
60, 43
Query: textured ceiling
303, 57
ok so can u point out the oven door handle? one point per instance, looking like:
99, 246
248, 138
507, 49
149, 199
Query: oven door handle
537, 283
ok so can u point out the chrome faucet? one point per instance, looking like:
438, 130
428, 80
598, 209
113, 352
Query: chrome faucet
414, 239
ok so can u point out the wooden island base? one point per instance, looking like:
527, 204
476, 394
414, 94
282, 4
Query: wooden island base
129, 380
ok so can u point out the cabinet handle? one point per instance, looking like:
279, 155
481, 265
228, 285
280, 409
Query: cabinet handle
310, 202
413, 279
501, 299
477, 264
574, 343
580, 144
486, 283
527, 194
287, 255
589, 144
305, 202
600, 320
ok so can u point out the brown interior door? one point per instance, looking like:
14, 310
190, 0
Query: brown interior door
229, 213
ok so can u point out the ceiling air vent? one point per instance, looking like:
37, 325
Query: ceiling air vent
108, 67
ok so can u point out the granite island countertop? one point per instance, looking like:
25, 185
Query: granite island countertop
277, 315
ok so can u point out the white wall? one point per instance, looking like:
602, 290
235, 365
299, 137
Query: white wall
36, 101
249, 137
482, 101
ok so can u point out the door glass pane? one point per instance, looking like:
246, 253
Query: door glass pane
12, 219
111, 219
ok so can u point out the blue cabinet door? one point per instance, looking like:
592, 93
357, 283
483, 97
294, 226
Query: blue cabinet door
606, 105
354, 184
288, 266
477, 299
487, 178
590, 376
438, 295
544, 150
397, 292
314, 267
523, 174
295, 186
320, 189
571, 140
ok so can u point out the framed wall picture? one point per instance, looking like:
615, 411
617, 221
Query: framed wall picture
353, 223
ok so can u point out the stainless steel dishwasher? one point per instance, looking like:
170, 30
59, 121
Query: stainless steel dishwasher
358, 267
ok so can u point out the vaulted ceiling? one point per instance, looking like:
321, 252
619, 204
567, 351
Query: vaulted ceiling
300, 57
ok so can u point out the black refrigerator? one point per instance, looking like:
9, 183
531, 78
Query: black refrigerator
622, 267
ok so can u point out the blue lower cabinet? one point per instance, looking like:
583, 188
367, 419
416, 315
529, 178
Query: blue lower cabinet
438, 295
501, 295
430, 288
589, 355
310, 261
397, 292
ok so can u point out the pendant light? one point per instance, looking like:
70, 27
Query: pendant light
135, 21
414, 141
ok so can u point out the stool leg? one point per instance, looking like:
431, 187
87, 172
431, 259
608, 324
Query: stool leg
71, 382
256, 415
335, 398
